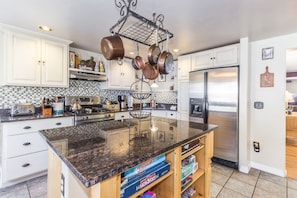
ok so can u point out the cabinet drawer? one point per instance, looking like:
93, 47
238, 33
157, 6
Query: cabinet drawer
121, 115
171, 114
24, 144
13, 128
25, 165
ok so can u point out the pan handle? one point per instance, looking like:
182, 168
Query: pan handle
120, 61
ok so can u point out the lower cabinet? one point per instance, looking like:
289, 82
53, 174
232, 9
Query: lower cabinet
121, 115
24, 152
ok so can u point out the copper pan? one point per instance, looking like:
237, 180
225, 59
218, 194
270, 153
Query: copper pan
150, 72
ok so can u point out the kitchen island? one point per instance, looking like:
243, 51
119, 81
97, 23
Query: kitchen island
88, 160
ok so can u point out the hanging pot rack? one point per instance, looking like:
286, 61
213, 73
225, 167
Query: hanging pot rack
137, 28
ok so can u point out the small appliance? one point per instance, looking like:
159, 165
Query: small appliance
123, 101
22, 109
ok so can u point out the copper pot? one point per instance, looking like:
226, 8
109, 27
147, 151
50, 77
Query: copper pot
165, 62
112, 47
150, 72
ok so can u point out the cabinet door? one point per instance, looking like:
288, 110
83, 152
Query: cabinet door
128, 76
202, 60
115, 75
159, 113
226, 56
121, 76
54, 64
24, 60
121, 115
184, 66
183, 100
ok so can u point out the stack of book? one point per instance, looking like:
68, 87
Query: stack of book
143, 174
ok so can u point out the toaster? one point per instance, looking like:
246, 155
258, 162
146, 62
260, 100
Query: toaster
22, 109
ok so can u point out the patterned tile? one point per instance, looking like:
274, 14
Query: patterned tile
10, 95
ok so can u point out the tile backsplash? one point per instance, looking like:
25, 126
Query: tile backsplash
10, 95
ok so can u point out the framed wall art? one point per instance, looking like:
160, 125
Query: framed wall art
267, 53
267, 79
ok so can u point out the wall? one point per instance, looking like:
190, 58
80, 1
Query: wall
268, 124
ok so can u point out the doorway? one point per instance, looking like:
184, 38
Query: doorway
291, 116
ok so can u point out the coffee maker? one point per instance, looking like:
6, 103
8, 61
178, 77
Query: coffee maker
123, 101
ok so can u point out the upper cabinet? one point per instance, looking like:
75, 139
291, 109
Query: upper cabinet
184, 67
32, 59
121, 76
218, 57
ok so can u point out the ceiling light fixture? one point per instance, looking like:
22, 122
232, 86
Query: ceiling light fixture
131, 53
175, 50
45, 28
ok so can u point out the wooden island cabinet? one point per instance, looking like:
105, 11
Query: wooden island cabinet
75, 174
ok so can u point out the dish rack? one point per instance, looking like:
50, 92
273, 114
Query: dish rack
137, 28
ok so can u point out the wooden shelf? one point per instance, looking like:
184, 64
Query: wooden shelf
184, 156
138, 193
196, 176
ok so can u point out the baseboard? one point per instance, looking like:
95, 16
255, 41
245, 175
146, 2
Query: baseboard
244, 169
268, 169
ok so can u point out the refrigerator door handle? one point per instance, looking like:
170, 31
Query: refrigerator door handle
206, 111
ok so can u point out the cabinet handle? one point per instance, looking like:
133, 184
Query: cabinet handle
122, 116
58, 123
27, 127
171, 114
26, 165
27, 143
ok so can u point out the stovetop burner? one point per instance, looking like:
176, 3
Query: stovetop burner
91, 109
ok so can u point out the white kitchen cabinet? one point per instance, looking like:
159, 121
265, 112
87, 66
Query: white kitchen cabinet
23, 151
159, 113
32, 59
121, 115
121, 76
171, 114
218, 57
183, 100
184, 67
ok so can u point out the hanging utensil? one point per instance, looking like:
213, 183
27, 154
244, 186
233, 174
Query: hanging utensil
165, 60
154, 52
112, 47
150, 72
138, 62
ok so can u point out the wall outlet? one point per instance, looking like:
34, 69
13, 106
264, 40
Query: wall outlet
256, 146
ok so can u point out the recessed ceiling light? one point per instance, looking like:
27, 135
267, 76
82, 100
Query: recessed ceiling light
175, 50
131, 53
45, 28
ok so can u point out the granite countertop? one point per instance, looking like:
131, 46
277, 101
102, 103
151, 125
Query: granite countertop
97, 151
5, 116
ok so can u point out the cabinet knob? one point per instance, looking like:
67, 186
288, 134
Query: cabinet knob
58, 123
122, 116
27, 127
26, 165
27, 143
43, 62
39, 61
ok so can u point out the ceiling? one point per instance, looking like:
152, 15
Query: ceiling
196, 24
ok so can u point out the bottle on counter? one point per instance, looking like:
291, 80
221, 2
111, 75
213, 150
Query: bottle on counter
154, 102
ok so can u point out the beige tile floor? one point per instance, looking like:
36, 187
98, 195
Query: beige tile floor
226, 183
230, 183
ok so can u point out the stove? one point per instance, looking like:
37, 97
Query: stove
87, 109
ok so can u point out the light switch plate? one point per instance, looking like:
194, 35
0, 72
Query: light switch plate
258, 105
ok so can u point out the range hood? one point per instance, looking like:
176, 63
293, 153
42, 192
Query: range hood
79, 74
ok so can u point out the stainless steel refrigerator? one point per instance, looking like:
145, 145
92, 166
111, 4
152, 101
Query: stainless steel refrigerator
214, 99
